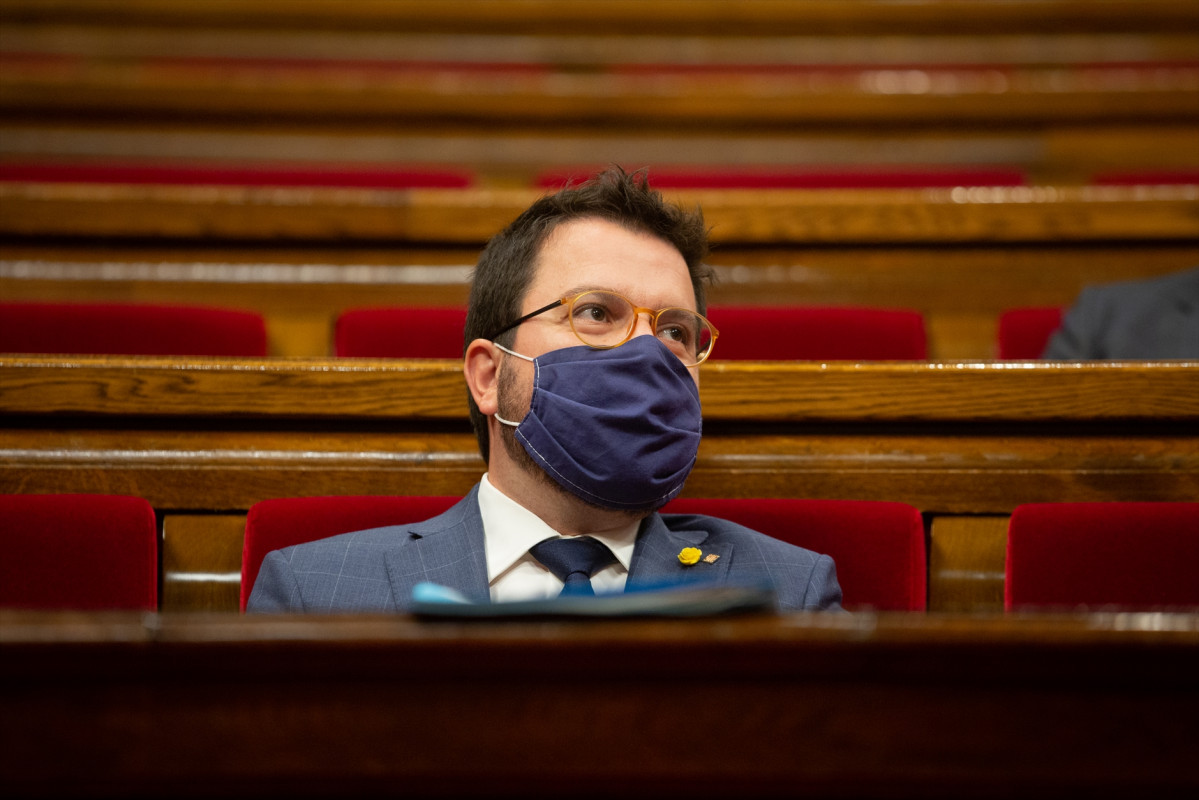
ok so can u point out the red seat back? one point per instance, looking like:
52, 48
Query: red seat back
78, 551
398, 332
130, 329
878, 547
232, 173
275, 524
1130, 555
1024, 332
800, 177
821, 334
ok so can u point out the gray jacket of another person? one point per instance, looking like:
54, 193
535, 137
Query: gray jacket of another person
1138, 320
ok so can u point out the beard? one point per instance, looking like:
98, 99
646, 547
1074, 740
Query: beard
511, 403
513, 406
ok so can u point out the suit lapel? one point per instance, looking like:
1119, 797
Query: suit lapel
656, 556
448, 549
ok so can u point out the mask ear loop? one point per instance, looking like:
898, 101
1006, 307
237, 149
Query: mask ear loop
512, 353
517, 355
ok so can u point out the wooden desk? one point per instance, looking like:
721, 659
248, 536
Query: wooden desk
203, 439
811, 705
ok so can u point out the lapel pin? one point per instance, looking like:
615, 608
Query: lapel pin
689, 556
710, 558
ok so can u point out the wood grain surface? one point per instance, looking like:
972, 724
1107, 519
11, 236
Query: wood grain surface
876, 705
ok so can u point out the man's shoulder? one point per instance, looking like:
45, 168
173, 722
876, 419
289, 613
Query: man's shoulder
336, 547
384, 537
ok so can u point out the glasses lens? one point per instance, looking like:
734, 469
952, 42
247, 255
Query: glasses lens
601, 319
605, 319
686, 333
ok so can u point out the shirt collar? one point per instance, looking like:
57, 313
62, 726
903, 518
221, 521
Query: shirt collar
510, 529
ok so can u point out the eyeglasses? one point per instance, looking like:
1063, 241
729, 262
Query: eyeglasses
604, 320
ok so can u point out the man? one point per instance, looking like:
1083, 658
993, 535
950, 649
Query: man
1139, 320
583, 339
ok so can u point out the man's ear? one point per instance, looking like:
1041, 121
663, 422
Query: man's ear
480, 366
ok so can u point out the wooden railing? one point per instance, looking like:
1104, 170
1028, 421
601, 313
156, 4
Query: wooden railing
817, 705
738, 218
203, 439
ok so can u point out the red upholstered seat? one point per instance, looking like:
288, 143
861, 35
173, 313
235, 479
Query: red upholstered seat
220, 173
790, 177
130, 329
1127, 555
822, 334
1024, 332
400, 332
275, 524
878, 546
78, 551
1161, 177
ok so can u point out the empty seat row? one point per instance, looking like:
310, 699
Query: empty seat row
101, 551
746, 332
421, 176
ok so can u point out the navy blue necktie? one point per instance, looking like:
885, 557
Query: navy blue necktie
573, 560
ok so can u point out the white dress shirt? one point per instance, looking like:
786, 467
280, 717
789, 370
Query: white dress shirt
513, 574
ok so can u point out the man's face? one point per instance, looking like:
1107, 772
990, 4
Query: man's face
597, 254
578, 256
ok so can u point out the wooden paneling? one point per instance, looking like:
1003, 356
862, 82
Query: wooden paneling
820, 705
967, 564
201, 561
618, 66
1060, 89
781, 217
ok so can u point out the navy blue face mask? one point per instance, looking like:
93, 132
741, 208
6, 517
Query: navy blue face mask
619, 428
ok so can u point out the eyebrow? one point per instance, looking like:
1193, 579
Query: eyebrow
577, 290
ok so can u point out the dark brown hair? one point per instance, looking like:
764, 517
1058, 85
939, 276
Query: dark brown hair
506, 266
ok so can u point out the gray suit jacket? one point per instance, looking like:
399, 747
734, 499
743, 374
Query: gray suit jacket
1142, 320
376, 570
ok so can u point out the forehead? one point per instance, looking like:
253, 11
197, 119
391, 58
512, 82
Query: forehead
597, 254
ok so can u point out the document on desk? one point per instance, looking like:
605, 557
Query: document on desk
433, 600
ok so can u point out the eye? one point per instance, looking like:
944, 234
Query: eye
592, 313
674, 333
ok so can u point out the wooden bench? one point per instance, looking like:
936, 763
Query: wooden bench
203, 439
815, 705
1058, 89
300, 256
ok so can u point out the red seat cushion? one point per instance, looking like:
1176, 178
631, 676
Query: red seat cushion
130, 329
1162, 177
1129, 555
790, 177
399, 332
793, 332
375, 176
878, 547
78, 551
1024, 332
